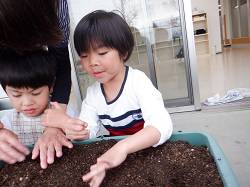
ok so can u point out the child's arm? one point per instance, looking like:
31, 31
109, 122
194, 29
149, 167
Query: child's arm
56, 117
11, 150
118, 153
53, 139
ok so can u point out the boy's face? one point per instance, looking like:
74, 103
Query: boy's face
31, 102
103, 64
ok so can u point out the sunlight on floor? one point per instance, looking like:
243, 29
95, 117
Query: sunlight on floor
225, 71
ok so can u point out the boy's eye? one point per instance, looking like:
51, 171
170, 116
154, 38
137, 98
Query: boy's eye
103, 53
16, 96
84, 56
36, 93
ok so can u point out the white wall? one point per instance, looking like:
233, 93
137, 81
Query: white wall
211, 8
226, 11
2, 93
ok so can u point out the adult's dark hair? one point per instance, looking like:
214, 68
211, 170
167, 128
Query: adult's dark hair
27, 25
31, 69
105, 29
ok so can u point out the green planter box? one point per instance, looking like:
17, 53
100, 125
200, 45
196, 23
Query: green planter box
196, 138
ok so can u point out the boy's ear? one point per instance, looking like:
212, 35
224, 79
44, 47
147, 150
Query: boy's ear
52, 87
125, 56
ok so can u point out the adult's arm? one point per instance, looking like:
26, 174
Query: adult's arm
62, 87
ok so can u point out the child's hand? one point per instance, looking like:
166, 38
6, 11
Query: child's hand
50, 141
11, 150
55, 117
118, 153
112, 158
75, 129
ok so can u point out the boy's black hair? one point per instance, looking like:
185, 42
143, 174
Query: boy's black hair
103, 28
32, 69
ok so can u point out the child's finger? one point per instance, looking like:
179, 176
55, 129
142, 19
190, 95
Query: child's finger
76, 125
97, 180
93, 167
44, 119
56, 105
77, 137
45, 111
100, 168
77, 122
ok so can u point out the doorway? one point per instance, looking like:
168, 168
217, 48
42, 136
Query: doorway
240, 21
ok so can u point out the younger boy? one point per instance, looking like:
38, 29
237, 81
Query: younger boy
122, 99
28, 80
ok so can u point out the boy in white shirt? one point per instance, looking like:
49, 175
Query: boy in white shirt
123, 99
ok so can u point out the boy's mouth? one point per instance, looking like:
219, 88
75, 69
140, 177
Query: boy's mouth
98, 74
30, 111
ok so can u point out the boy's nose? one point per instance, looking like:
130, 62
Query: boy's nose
93, 61
27, 101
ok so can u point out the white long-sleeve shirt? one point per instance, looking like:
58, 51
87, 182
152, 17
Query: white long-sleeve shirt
138, 105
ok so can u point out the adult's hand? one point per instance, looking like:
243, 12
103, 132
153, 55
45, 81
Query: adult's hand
11, 150
51, 141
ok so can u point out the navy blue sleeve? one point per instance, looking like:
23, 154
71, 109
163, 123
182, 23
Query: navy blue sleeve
62, 85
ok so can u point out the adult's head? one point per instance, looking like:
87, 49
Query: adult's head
28, 25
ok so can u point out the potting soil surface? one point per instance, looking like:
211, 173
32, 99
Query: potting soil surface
171, 164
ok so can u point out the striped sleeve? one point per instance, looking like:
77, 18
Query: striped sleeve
63, 16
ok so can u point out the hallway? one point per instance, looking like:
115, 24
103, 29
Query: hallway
225, 71
227, 123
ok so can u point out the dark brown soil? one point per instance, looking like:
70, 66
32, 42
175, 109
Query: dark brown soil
171, 164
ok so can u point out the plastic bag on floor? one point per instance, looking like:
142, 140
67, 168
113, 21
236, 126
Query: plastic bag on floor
232, 95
